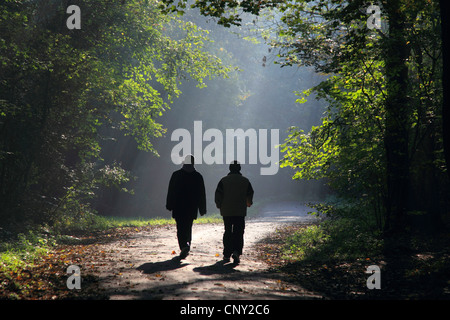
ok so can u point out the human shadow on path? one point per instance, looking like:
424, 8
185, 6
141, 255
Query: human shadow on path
153, 267
220, 267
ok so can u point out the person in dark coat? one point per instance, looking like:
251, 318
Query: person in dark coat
234, 194
185, 198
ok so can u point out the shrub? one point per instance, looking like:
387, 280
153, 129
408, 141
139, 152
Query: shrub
346, 233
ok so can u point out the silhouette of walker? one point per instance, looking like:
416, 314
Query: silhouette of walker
233, 195
185, 198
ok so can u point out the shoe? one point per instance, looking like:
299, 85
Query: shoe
184, 252
235, 257
226, 259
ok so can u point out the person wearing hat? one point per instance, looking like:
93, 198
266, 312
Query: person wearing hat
185, 198
234, 193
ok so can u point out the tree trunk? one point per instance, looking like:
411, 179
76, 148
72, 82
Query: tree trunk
397, 115
445, 14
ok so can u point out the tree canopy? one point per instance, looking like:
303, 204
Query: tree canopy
121, 70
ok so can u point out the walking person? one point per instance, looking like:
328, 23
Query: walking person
234, 193
185, 198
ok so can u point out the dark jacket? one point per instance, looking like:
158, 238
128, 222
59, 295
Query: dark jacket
233, 194
186, 194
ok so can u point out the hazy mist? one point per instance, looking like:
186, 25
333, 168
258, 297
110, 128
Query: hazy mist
259, 96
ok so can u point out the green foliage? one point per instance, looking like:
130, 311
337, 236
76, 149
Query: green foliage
304, 241
228, 12
59, 87
349, 233
17, 254
367, 136
350, 136
91, 222
347, 148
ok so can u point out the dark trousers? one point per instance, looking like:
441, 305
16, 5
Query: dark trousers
233, 238
184, 231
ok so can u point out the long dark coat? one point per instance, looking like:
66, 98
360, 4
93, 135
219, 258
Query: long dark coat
186, 196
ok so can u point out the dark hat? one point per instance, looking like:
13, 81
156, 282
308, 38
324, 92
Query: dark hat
235, 166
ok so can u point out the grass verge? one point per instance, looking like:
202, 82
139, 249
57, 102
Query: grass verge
331, 258
96, 223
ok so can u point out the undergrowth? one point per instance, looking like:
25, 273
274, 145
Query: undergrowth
331, 257
24, 251
344, 232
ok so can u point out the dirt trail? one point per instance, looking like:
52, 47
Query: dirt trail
145, 267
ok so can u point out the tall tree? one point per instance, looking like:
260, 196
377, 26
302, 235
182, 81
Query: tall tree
444, 14
398, 110
58, 86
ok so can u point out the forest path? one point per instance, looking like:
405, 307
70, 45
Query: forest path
146, 267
